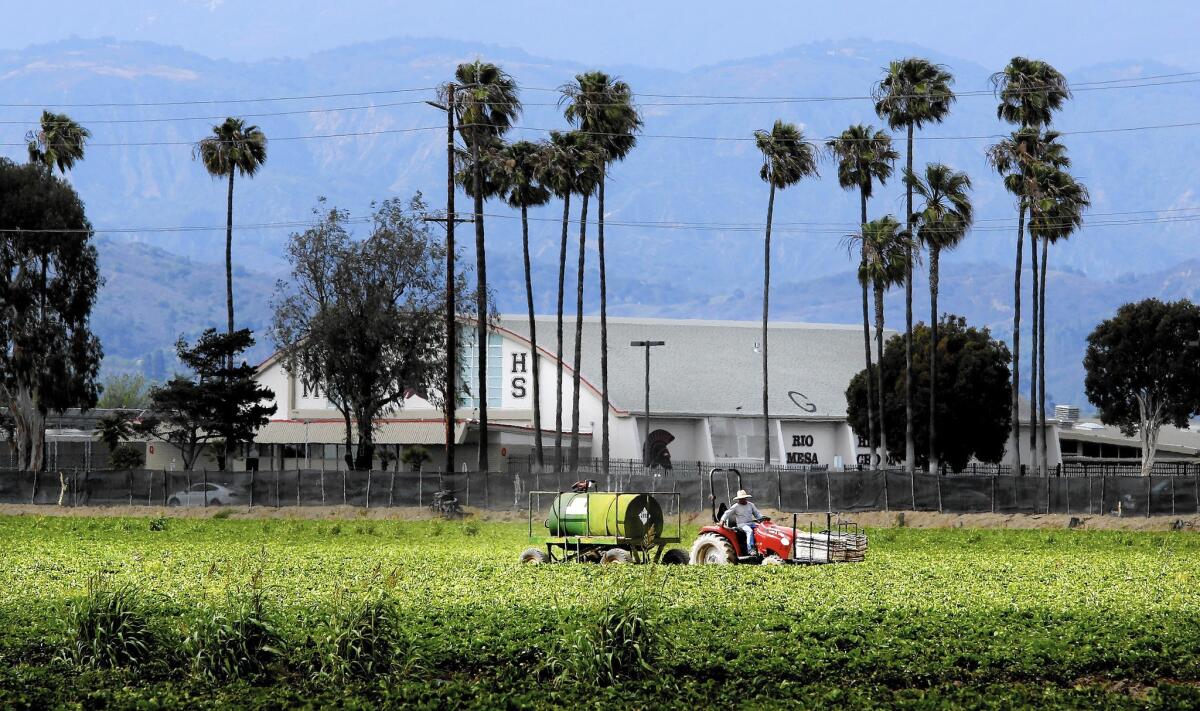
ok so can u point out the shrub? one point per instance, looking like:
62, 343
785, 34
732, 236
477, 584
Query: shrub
126, 456
158, 523
108, 628
238, 644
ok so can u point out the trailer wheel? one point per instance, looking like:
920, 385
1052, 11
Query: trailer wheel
712, 549
615, 555
533, 556
675, 556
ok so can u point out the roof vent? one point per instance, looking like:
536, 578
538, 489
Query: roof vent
1066, 414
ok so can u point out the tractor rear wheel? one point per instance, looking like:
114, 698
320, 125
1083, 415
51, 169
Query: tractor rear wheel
533, 556
675, 556
712, 549
615, 555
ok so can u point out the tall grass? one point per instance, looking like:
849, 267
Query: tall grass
621, 642
362, 640
237, 643
108, 627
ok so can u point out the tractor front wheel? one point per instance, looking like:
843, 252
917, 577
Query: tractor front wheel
615, 555
533, 556
712, 549
772, 559
675, 556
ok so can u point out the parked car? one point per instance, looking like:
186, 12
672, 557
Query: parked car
196, 494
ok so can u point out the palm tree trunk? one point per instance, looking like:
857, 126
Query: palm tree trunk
558, 366
481, 308
533, 348
229, 258
910, 450
866, 311
883, 450
603, 329
934, 253
766, 309
1033, 355
229, 288
578, 363
1042, 454
1016, 349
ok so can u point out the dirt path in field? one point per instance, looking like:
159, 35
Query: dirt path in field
877, 519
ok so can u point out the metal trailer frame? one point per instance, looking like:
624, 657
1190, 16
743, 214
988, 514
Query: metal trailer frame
590, 548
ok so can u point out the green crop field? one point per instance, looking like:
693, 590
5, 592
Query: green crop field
122, 612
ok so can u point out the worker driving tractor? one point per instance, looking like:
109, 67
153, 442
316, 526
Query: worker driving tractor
743, 516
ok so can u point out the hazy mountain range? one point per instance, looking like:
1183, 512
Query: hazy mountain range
165, 283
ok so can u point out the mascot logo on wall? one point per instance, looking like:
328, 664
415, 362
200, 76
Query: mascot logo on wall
655, 452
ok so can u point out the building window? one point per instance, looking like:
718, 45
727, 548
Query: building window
469, 360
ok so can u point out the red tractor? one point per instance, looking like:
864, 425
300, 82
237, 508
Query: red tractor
775, 544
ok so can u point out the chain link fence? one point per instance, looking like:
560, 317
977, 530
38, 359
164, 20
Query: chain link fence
800, 491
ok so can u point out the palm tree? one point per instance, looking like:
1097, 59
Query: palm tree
946, 215
486, 104
519, 163
233, 147
58, 143
912, 93
558, 171
888, 251
1030, 91
602, 107
589, 168
787, 159
1059, 213
864, 155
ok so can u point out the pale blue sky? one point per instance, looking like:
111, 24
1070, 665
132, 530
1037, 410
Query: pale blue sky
675, 34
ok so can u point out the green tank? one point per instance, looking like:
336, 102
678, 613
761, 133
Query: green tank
623, 515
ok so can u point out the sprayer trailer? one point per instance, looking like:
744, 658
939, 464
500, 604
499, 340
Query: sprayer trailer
603, 527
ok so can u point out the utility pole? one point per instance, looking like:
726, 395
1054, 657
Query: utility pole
647, 345
450, 392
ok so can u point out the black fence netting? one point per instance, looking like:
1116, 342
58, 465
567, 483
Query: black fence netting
687, 492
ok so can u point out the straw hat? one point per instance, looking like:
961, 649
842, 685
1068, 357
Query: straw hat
743, 494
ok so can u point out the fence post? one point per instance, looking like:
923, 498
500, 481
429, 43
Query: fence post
993, 477
1103, 490
828, 493
344, 474
1173, 494
204, 474
131, 487
392, 486
322, 484
420, 486
1047, 478
253, 480
164, 499
149, 485
299, 473
912, 484
467, 501
188, 481
33, 492
368, 488
806, 506
939, 492
885, 491
1148, 495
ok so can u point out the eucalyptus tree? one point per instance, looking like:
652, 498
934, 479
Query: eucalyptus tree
49, 281
787, 159
946, 215
864, 156
233, 147
602, 107
58, 143
519, 164
1060, 206
888, 252
913, 92
486, 103
1030, 91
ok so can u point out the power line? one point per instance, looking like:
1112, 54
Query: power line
1097, 85
794, 227
378, 132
